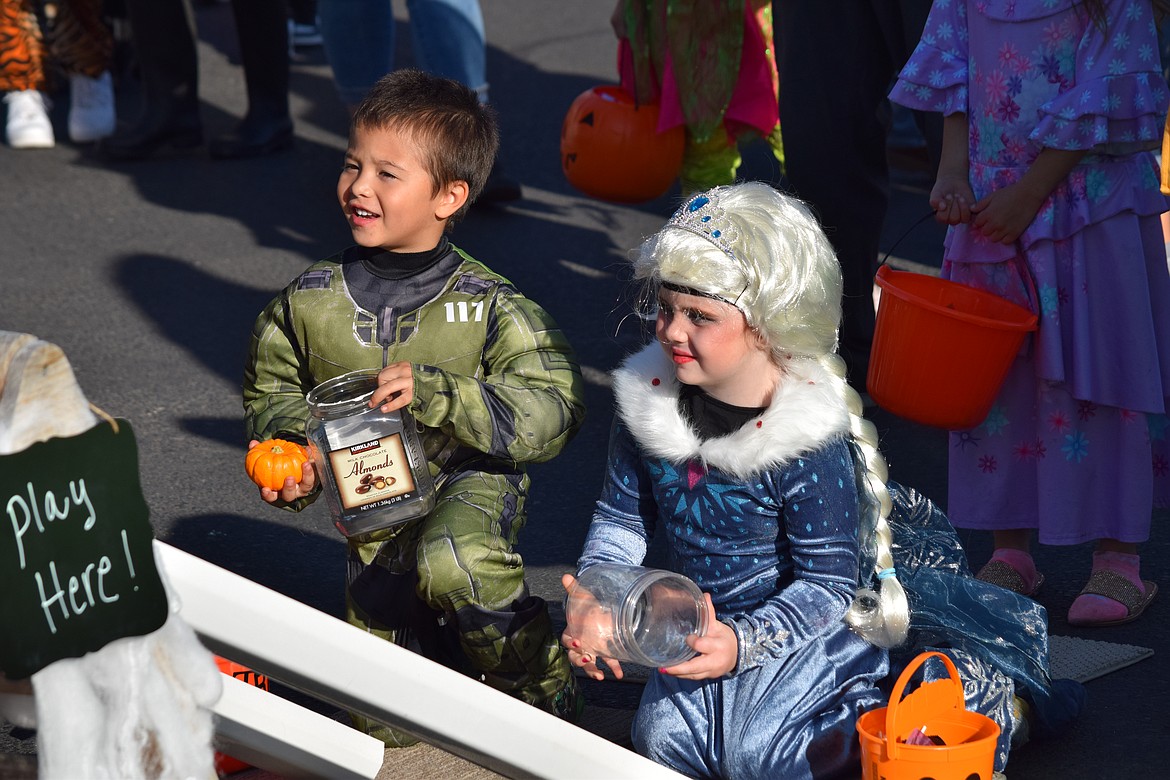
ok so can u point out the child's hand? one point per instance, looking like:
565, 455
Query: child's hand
292, 490
1004, 214
395, 388
951, 199
587, 634
718, 651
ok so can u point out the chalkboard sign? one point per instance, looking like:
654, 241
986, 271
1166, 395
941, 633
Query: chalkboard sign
76, 561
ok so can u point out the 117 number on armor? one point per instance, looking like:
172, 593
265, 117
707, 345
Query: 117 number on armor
461, 307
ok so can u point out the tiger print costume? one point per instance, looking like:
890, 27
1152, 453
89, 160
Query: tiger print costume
39, 38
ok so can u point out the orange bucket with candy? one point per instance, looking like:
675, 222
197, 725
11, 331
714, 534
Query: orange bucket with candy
961, 743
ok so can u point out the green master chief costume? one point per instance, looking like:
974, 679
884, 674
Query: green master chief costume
496, 386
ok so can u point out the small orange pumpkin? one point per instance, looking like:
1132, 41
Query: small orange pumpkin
611, 148
269, 462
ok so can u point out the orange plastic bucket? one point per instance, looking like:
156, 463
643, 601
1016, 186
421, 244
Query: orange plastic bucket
941, 349
937, 708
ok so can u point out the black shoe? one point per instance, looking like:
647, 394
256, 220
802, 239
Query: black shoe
253, 139
152, 135
499, 188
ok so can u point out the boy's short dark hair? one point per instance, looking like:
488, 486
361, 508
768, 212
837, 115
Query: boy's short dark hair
457, 135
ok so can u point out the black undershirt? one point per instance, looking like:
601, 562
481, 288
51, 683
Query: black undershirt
389, 284
711, 417
400, 265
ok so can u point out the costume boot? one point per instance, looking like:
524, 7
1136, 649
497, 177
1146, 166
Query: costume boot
164, 43
518, 653
263, 33
381, 603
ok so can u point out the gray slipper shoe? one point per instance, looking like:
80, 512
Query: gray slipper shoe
1005, 575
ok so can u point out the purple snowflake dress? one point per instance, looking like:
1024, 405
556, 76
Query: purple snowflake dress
1075, 444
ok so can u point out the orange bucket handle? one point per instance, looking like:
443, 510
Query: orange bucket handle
938, 697
1018, 259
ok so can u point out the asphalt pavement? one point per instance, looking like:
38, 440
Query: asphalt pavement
149, 275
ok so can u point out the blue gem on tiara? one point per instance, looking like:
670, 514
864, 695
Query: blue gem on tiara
703, 216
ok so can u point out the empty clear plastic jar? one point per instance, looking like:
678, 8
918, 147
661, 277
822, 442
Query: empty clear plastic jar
635, 614
371, 463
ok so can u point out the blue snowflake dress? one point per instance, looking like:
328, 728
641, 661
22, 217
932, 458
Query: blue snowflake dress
767, 519
1075, 445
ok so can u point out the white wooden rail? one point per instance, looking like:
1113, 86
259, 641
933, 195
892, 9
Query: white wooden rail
289, 740
340, 664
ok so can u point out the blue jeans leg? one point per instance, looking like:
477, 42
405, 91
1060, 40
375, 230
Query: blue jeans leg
358, 36
448, 38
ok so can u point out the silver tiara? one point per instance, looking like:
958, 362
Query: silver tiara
703, 216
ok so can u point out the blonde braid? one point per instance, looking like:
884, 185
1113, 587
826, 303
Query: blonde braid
883, 616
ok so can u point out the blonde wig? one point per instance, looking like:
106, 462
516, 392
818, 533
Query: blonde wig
764, 253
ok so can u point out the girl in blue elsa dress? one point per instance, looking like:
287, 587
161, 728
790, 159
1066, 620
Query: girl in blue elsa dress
737, 437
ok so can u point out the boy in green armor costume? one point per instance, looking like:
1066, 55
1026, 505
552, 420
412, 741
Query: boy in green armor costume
487, 374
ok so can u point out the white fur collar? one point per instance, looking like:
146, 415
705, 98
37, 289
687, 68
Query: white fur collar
808, 408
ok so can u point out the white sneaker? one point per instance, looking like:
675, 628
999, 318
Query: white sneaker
91, 107
28, 120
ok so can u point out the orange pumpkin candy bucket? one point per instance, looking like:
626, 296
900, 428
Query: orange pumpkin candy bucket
611, 148
963, 741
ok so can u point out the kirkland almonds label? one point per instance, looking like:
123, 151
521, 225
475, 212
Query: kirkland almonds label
372, 474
